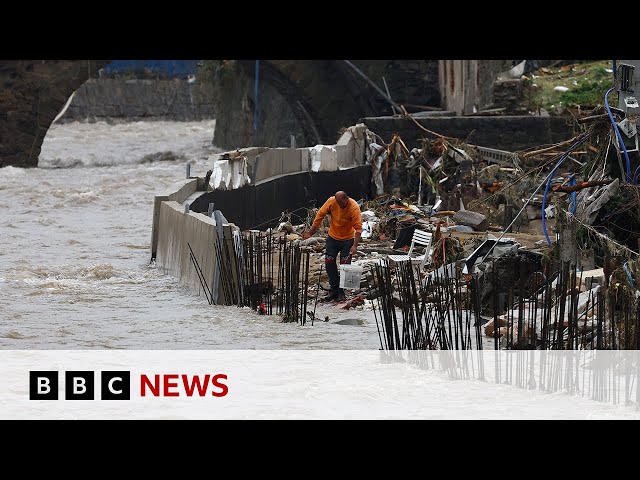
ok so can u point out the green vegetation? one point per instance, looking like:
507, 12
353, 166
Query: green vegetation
212, 71
587, 83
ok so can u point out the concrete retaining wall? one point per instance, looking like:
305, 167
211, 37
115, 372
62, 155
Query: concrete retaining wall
511, 133
263, 164
177, 231
278, 161
260, 206
183, 191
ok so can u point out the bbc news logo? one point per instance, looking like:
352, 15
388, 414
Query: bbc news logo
80, 385
116, 385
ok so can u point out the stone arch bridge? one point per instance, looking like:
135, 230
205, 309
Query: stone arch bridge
310, 99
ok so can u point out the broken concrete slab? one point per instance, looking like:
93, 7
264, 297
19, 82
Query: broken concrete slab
229, 174
356, 132
475, 220
323, 158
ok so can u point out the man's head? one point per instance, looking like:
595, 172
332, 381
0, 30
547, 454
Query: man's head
342, 198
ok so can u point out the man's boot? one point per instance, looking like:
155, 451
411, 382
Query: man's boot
331, 296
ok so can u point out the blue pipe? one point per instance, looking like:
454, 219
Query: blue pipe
546, 188
615, 128
614, 70
574, 195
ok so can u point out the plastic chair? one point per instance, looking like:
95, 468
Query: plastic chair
420, 237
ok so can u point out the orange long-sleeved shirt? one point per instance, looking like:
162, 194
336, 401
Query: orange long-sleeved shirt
344, 221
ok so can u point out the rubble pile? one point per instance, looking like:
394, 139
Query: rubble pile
577, 199
556, 227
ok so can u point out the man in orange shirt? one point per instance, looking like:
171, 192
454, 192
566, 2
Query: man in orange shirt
344, 234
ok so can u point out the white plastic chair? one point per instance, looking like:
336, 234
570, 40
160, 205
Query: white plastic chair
420, 237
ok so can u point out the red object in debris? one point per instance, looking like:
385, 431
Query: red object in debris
354, 302
438, 234
262, 309
491, 187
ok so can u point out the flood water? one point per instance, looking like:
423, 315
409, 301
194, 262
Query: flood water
75, 267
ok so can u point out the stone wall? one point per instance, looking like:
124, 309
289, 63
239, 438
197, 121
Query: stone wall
312, 99
513, 95
509, 133
173, 99
32, 93
412, 83
235, 104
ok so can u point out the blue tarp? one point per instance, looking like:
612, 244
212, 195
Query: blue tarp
169, 68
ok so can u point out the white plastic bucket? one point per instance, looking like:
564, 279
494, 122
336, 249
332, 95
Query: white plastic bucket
350, 276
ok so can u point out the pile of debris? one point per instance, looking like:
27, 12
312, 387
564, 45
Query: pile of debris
581, 193
515, 229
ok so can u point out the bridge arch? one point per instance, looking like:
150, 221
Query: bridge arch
32, 93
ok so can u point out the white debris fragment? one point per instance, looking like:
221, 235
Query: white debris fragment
323, 158
229, 174
367, 229
368, 215
550, 211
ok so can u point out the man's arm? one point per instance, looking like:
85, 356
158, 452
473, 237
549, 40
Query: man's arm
324, 209
356, 239
357, 225
311, 231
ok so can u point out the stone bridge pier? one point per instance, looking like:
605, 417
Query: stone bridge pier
32, 93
